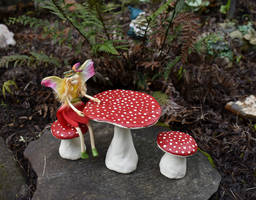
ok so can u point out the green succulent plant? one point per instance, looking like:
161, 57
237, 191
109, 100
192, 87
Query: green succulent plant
244, 29
214, 45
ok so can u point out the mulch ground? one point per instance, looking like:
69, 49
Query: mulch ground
229, 140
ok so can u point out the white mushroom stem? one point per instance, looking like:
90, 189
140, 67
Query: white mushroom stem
122, 156
71, 148
172, 166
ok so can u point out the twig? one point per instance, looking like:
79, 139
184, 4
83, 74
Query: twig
235, 195
232, 8
253, 188
168, 28
44, 165
148, 22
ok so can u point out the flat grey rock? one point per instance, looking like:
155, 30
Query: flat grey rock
89, 179
11, 178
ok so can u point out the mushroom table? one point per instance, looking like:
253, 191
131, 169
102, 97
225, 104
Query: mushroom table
126, 110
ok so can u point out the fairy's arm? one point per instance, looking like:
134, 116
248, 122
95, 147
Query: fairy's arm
80, 113
90, 97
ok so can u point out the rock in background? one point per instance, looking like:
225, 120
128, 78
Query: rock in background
245, 108
6, 36
89, 179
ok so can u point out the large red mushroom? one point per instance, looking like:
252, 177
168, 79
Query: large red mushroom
126, 110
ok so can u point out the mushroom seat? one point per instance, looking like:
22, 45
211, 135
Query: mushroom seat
126, 110
70, 146
177, 146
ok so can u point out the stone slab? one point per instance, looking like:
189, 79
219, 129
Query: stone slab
11, 177
60, 179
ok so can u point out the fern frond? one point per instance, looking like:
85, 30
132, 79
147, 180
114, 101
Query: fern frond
16, 59
107, 47
34, 59
43, 58
123, 47
160, 10
7, 87
49, 5
189, 23
27, 20
170, 66
92, 19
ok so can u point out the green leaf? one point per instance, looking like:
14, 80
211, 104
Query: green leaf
254, 126
225, 8
208, 156
170, 66
123, 47
108, 47
160, 97
162, 124
180, 73
179, 7
7, 87
160, 10
194, 3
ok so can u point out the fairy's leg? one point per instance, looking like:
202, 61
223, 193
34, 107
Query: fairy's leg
94, 150
83, 153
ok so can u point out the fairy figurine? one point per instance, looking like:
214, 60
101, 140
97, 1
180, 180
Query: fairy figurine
69, 91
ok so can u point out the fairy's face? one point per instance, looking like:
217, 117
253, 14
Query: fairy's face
74, 79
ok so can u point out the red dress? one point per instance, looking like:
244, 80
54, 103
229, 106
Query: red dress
66, 115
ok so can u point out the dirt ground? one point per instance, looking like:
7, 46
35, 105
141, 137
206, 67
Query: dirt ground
202, 93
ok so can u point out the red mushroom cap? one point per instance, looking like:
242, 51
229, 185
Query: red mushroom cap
68, 132
177, 143
124, 108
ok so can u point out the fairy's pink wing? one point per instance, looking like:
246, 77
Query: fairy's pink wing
87, 70
52, 82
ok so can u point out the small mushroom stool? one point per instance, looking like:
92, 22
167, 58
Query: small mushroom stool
126, 110
70, 146
177, 146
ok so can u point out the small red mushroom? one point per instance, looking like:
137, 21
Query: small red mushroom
126, 110
70, 145
177, 146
